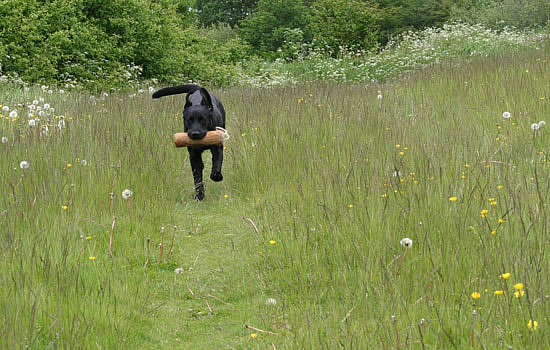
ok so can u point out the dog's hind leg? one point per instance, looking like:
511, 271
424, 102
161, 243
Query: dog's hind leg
217, 160
195, 156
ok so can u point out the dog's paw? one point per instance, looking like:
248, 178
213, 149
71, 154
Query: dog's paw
216, 176
199, 196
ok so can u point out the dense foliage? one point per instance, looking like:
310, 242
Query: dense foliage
113, 43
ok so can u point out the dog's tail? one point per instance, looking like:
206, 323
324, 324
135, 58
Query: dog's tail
174, 90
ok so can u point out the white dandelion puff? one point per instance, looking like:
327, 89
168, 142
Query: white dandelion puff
84, 162
46, 106
35, 102
506, 115
5, 108
4, 139
13, 114
271, 301
406, 242
127, 193
179, 270
542, 123
32, 122
24, 165
535, 126
379, 97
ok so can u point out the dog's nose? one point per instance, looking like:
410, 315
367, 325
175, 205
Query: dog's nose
195, 134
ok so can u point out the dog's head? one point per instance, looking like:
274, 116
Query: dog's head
197, 118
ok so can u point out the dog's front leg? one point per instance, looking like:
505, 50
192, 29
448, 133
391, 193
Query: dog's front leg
217, 160
195, 156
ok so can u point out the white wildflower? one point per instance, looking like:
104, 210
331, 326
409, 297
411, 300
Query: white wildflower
13, 114
127, 193
271, 301
5, 108
24, 165
542, 123
535, 126
379, 97
506, 115
406, 242
84, 162
4, 139
32, 122
179, 270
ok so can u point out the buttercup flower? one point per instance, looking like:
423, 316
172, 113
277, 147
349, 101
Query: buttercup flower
505, 275
453, 199
532, 325
518, 286
499, 292
476, 295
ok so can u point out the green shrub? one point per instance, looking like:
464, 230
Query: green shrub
92, 43
500, 14
265, 29
337, 23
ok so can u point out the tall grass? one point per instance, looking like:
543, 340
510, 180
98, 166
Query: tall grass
333, 176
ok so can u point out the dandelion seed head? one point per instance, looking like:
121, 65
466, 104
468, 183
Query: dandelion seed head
271, 301
127, 193
4, 139
24, 165
406, 242
13, 114
506, 115
535, 126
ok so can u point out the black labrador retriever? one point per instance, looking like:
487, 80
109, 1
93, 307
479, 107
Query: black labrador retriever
202, 112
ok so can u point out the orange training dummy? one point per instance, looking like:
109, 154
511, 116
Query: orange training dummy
215, 137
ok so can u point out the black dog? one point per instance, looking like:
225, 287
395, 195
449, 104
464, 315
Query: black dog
202, 112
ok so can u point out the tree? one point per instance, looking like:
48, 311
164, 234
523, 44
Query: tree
224, 11
265, 28
349, 23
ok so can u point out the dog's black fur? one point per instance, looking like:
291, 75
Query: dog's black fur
202, 112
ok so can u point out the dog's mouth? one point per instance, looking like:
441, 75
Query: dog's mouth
196, 135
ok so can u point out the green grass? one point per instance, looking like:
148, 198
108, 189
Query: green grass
332, 177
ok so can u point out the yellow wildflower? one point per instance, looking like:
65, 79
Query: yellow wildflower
254, 335
476, 295
519, 293
505, 275
453, 199
272, 242
499, 292
518, 286
92, 258
532, 325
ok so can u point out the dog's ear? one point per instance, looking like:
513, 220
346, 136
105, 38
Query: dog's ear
206, 100
187, 101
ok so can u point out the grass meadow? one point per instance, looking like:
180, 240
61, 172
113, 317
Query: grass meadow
302, 241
